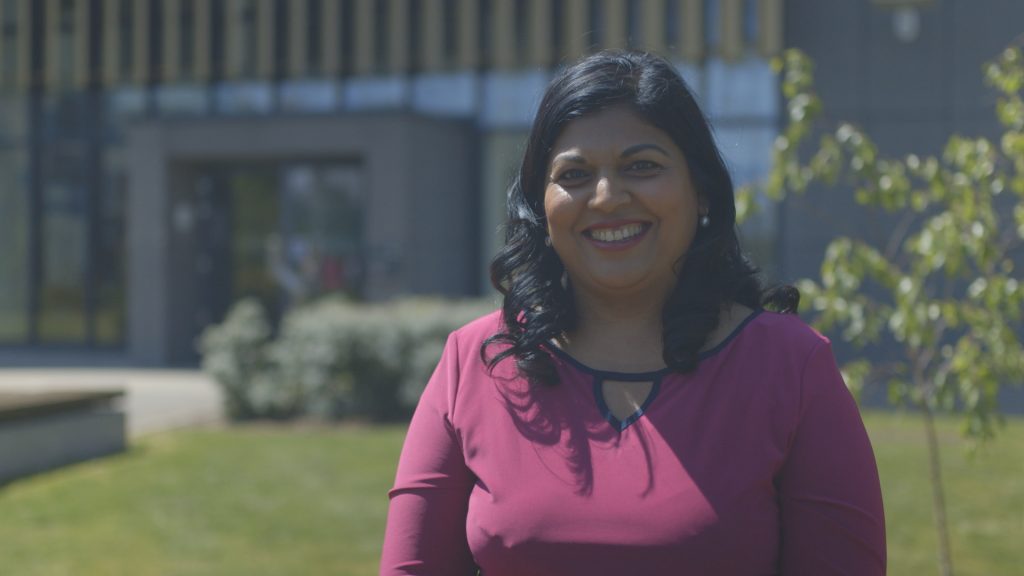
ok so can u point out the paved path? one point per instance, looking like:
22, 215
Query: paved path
155, 400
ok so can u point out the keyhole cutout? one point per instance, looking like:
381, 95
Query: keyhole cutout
624, 399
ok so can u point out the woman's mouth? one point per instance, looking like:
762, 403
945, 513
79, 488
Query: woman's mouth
617, 237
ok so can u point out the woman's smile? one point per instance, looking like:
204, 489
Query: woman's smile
617, 235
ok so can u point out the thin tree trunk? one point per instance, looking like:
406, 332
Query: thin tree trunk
938, 498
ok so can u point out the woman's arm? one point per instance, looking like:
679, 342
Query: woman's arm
829, 494
426, 526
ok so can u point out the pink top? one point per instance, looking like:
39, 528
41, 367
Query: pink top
756, 463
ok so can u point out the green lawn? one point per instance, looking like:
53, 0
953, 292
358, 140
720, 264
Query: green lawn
311, 500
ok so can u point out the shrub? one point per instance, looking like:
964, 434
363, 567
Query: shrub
334, 358
235, 355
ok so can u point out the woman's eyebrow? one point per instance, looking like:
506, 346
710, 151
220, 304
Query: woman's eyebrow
569, 157
641, 147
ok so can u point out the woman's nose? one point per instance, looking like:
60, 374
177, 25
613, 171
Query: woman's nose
609, 194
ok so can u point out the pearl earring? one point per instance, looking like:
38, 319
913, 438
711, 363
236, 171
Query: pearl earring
705, 221
547, 241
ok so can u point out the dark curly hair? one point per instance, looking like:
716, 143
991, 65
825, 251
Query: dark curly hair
537, 308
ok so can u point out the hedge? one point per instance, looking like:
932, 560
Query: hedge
332, 358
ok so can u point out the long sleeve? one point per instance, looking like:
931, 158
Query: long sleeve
426, 525
830, 498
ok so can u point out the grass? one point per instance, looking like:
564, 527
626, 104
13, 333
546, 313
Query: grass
984, 496
263, 500
245, 501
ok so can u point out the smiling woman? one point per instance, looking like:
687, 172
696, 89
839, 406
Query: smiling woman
633, 408
621, 208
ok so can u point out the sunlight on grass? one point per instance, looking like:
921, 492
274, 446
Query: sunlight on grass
267, 500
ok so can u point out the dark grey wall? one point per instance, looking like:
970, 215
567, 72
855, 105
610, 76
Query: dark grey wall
909, 97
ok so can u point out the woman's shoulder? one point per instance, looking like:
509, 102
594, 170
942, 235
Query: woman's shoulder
786, 331
479, 329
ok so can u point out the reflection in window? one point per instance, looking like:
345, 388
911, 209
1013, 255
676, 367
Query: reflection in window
14, 251
110, 309
13, 119
122, 105
321, 227
254, 220
62, 294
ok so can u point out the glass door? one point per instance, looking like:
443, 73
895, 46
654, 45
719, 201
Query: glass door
282, 232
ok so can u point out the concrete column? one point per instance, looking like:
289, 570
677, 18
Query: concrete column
148, 207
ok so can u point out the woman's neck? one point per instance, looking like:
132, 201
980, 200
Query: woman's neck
623, 335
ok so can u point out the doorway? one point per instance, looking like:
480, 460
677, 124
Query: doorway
283, 232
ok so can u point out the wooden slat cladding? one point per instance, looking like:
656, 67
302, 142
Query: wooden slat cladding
170, 57
24, 43
82, 30
691, 30
330, 38
731, 24
296, 39
653, 19
770, 33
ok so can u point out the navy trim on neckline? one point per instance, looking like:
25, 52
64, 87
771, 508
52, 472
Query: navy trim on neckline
653, 374
602, 404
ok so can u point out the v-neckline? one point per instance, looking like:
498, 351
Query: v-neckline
606, 411
653, 376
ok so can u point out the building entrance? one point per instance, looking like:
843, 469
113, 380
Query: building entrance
283, 232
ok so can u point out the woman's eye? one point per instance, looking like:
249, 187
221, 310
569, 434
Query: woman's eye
644, 166
572, 175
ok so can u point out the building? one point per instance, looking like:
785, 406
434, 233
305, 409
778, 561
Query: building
160, 159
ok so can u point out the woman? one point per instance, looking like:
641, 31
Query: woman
632, 409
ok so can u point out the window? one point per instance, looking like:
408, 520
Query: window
14, 250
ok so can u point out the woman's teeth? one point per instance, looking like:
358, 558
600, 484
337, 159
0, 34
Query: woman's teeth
616, 234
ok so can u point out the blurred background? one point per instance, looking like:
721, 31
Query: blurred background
163, 160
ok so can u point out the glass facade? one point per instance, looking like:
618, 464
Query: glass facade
14, 241
110, 277
72, 83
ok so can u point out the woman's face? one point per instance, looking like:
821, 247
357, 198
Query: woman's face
620, 204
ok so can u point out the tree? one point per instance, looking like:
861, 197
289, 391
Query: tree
942, 288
